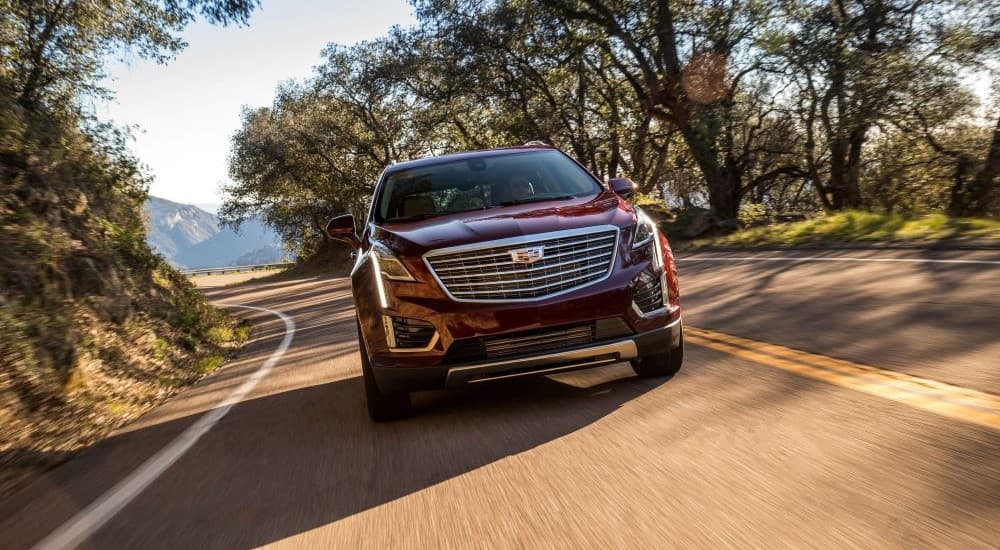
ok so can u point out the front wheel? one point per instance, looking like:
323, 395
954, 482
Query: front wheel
382, 406
661, 364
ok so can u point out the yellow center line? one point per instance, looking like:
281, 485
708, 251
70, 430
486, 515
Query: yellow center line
930, 395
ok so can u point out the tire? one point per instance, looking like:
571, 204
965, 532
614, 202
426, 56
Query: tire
382, 406
661, 364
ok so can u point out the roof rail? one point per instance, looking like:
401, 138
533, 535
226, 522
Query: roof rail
535, 142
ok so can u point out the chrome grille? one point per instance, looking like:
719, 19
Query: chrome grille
571, 259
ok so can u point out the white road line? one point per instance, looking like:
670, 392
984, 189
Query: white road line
826, 259
72, 533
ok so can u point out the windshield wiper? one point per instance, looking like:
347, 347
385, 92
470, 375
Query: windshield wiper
537, 198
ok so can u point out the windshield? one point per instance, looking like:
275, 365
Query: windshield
479, 183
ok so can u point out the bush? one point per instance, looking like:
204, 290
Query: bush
94, 328
753, 214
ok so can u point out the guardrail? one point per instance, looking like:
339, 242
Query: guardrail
234, 268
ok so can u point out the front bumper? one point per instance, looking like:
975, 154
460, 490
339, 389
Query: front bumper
454, 322
448, 376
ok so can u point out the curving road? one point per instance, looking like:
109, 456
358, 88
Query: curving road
751, 445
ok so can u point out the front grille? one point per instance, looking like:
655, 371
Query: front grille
411, 333
535, 341
539, 341
647, 294
489, 273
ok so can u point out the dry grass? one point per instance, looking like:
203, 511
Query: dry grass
855, 226
117, 371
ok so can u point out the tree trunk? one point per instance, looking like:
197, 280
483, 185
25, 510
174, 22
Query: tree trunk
616, 155
845, 171
723, 185
723, 195
320, 227
983, 191
958, 205
852, 183
976, 198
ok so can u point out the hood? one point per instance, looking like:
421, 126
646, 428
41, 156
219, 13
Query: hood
416, 238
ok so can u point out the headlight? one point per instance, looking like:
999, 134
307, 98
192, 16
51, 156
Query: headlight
645, 230
388, 264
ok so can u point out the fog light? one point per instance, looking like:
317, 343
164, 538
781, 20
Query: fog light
406, 334
647, 292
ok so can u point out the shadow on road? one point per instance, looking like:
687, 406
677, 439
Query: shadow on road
308, 457
932, 320
303, 454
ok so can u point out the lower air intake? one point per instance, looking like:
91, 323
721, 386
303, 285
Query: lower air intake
410, 333
647, 294
536, 341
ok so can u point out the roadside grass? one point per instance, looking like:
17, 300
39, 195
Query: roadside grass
857, 226
221, 335
208, 364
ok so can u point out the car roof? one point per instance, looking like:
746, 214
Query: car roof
427, 161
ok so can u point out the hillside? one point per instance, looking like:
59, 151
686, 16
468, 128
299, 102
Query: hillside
94, 328
189, 237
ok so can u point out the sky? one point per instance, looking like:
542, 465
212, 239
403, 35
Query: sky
187, 110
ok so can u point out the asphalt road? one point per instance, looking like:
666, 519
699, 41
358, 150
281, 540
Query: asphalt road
731, 452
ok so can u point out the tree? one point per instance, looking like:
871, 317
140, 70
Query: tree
862, 65
54, 50
318, 150
513, 72
687, 62
979, 197
790, 105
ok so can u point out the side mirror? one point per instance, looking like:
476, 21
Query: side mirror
622, 186
341, 228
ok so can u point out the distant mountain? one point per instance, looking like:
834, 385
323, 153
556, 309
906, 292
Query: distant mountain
174, 227
226, 247
210, 207
264, 255
189, 237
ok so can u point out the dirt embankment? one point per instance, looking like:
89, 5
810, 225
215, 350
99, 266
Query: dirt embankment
94, 328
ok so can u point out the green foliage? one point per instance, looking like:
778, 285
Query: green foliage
161, 349
859, 226
54, 51
643, 199
886, 70
754, 213
92, 323
318, 149
85, 306
208, 364
788, 107
223, 334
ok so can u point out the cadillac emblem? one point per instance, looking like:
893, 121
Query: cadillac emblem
528, 255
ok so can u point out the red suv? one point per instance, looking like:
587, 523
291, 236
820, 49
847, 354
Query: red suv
509, 262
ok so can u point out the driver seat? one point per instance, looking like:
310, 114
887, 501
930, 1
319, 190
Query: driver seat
417, 205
